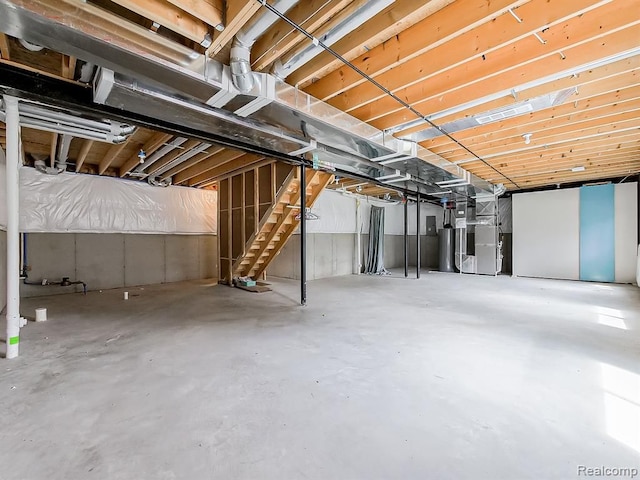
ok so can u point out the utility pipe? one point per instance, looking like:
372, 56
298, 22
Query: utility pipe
303, 235
358, 260
418, 235
240, 62
406, 238
13, 232
348, 24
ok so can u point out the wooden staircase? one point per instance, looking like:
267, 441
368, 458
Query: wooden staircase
276, 223
279, 224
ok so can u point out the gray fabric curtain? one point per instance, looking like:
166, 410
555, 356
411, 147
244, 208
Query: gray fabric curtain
375, 252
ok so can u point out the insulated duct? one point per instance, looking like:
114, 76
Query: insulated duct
369, 9
272, 116
240, 62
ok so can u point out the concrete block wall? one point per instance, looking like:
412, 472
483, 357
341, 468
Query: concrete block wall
106, 261
328, 255
332, 254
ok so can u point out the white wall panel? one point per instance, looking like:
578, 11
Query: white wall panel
626, 228
546, 227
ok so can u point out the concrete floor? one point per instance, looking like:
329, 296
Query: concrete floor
448, 377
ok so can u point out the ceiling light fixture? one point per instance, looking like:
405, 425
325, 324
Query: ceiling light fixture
578, 169
527, 138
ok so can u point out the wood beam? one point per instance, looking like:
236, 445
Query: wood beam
5, 51
213, 175
455, 21
169, 16
68, 66
154, 143
54, 148
281, 38
84, 151
598, 107
209, 11
112, 154
199, 157
237, 13
391, 21
508, 53
606, 142
591, 87
574, 136
626, 141
594, 158
171, 156
450, 90
208, 164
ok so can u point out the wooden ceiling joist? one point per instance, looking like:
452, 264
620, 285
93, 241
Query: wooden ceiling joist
460, 86
54, 149
196, 159
575, 39
4, 47
310, 15
454, 22
237, 13
169, 16
385, 25
84, 151
171, 156
68, 66
209, 11
111, 155
208, 164
153, 144
215, 174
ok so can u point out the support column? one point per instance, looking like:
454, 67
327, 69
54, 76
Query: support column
303, 235
13, 232
418, 235
406, 238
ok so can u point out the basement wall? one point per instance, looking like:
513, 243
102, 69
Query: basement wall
112, 260
546, 233
331, 240
114, 233
3, 233
3, 270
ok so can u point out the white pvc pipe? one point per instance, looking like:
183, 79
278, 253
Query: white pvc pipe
358, 261
13, 232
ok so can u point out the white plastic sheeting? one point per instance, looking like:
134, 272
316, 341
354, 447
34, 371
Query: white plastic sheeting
85, 203
337, 213
3, 190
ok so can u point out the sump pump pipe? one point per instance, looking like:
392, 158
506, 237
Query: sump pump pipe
243, 42
13, 232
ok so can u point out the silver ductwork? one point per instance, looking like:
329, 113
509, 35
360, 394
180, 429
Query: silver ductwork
283, 68
272, 115
240, 62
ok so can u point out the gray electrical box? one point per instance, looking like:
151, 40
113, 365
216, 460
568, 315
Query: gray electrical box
431, 226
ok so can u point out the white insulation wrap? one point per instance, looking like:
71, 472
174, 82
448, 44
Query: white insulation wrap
337, 214
85, 203
3, 191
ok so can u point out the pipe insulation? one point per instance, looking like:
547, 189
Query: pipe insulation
282, 69
51, 120
240, 63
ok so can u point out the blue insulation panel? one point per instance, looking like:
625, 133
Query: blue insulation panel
597, 233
